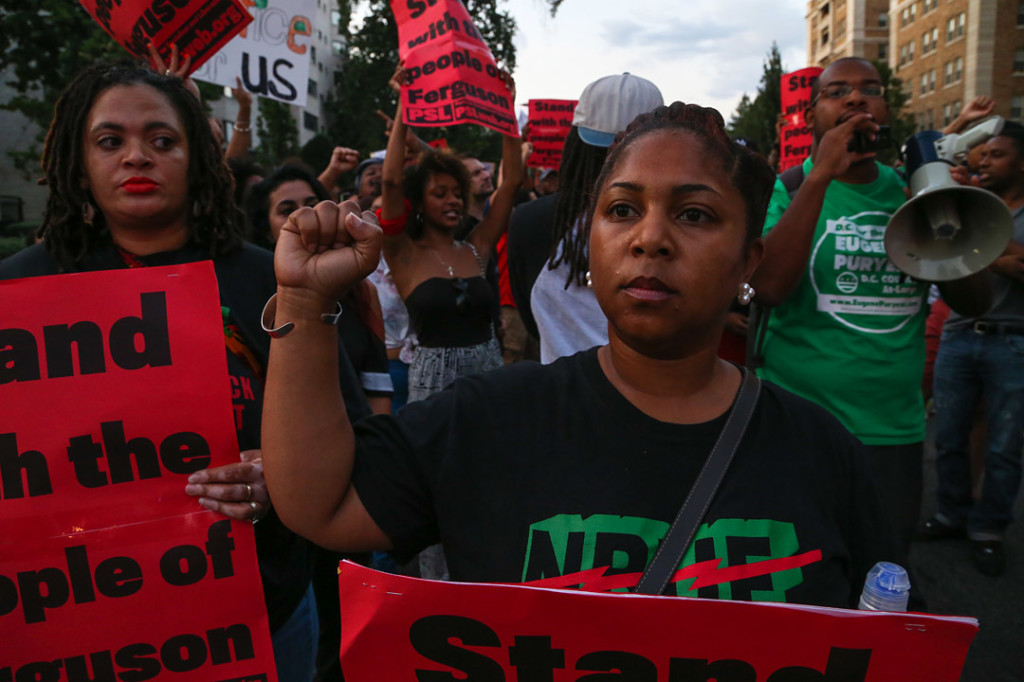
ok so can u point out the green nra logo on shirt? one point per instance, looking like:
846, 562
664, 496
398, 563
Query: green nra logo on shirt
854, 280
742, 559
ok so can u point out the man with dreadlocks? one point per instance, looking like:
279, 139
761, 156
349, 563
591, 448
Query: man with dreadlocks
559, 307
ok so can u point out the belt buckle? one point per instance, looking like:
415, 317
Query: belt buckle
982, 327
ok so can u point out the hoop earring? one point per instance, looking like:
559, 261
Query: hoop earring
88, 213
590, 281
746, 294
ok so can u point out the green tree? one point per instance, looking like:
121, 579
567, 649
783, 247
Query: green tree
44, 44
278, 133
901, 125
361, 86
755, 119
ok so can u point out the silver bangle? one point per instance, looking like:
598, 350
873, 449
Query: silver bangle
270, 309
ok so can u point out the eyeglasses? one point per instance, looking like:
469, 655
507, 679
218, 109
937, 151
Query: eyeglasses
840, 90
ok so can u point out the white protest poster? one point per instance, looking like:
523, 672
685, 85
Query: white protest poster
271, 55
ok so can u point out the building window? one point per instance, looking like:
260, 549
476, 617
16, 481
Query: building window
883, 51
910, 51
337, 47
931, 80
883, 19
336, 19
312, 52
310, 121
1020, 14
958, 70
960, 21
929, 119
947, 114
949, 73
824, 10
1017, 107
824, 36
311, 90
924, 84
956, 108
1018, 61
950, 29
926, 43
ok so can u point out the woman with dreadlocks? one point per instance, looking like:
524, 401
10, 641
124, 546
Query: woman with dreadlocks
571, 473
136, 180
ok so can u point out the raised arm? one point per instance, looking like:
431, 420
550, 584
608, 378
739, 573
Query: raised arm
308, 443
486, 234
787, 248
241, 137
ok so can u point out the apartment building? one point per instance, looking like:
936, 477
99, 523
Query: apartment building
847, 28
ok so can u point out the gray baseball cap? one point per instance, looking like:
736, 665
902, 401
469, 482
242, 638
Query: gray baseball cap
610, 104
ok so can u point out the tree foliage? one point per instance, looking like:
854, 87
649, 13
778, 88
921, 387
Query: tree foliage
361, 86
901, 125
44, 43
279, 135
755, 118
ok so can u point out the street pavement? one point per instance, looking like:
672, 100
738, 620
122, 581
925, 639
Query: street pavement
953, 586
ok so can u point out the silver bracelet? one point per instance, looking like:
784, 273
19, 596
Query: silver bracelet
270, 309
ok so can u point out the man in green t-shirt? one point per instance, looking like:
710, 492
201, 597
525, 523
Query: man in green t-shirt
847, 327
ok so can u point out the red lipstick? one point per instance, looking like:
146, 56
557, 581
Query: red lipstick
139, 185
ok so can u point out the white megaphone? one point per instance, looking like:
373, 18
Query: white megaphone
947, 230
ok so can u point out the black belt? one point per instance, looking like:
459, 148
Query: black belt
983, 327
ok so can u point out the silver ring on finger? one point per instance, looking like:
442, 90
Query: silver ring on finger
248, 492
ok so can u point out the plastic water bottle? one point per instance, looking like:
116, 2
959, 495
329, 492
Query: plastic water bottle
887, 588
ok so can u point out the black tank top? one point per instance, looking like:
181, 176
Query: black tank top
450, 313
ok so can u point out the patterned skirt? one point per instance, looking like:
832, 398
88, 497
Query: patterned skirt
433, 369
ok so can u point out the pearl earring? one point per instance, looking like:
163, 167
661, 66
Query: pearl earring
746, 293
590, 281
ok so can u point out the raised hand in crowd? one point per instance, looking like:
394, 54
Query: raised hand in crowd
175, 67
242, 135
343, 160
978, 108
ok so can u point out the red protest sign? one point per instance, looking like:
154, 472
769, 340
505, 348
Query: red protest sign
115, 388
795, 137
549, 124
198, 27
441, 630
452, 74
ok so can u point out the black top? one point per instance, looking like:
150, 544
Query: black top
451, 313
529, 248
245, 278
538, 472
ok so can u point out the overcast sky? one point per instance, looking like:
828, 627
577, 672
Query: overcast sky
704, 51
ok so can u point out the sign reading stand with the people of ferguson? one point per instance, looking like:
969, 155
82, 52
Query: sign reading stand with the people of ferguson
549, 124
272, 55
434, 630
115, 388
452, 76
198, 27
795, 137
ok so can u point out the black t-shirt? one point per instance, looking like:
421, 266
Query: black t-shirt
245, 279
533, 472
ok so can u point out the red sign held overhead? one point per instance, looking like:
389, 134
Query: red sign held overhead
447, 631
550, 122
115, 388
198, 27
795, 137
452, 74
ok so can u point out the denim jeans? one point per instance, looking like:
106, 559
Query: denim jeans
972, 367
295, 642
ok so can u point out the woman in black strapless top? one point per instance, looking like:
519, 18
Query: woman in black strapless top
441, 279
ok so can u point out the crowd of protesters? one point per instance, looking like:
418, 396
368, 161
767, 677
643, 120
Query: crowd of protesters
417, 431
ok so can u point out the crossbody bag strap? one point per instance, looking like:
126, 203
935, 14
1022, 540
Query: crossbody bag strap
663, 566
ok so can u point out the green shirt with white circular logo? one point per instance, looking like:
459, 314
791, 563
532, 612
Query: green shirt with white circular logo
851, 335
